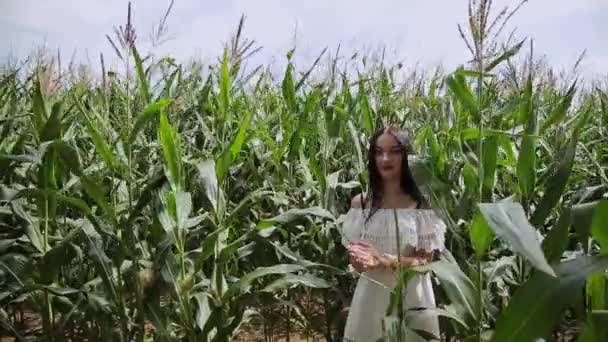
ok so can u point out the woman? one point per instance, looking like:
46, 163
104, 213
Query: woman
369, 234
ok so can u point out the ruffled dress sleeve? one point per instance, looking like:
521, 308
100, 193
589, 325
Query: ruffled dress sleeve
351, 226
431, 231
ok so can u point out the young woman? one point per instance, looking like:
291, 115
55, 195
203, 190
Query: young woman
369, 234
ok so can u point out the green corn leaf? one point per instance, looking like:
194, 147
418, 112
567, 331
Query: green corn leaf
365, 109
490, 156
556, 184
538, 304
512, 51
209, 180
559, 113
599, 225
39, 106
150, 113
169, 141
144, 88
556, 240
508, 220
289, 91
97, 193
582, 219
459, 288
481, 235
101, 145
461, 90
292, 280
52, 129
596, 327
246, 281
526, 163
231, 153
225, 86
295, 214
597, 291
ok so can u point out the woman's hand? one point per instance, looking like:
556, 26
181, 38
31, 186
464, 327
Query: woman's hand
365, 258
427, 257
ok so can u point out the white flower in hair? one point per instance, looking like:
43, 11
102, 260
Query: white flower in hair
402, 137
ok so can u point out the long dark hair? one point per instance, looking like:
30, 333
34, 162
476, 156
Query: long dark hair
407, 182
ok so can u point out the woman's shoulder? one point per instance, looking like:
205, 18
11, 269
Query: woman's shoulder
358, 201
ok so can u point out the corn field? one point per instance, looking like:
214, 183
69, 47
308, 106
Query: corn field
171, 202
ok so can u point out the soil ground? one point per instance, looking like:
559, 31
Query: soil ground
31, 325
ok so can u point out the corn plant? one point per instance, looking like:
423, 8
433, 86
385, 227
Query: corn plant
186, 202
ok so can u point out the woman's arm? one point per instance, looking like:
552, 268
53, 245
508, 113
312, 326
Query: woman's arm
427, 256
365, 258
390, 262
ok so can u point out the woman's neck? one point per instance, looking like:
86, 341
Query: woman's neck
393, 195
392, 189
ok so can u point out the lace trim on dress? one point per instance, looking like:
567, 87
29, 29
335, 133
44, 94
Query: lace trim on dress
421, 229
431, 232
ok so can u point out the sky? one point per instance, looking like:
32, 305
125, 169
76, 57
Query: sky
422, 32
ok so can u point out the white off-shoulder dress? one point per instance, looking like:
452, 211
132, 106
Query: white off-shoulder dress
419, 229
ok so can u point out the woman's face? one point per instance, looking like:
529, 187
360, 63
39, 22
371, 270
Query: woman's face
389, 156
